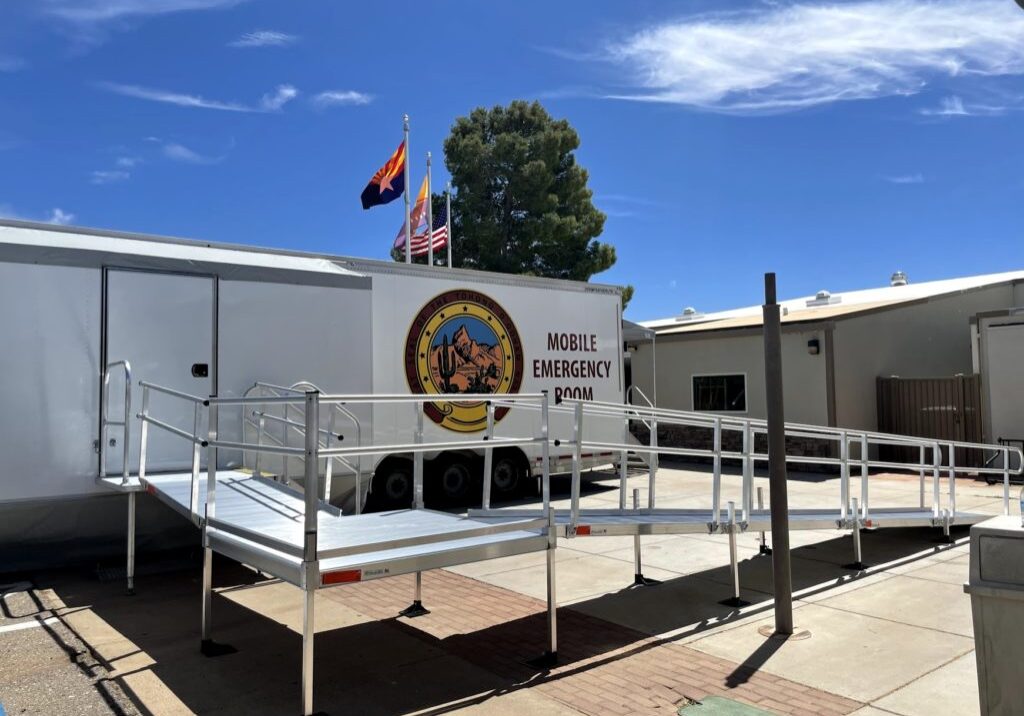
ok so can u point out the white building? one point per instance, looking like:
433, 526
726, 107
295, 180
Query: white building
835, 346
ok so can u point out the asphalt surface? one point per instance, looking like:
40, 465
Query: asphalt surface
45, 668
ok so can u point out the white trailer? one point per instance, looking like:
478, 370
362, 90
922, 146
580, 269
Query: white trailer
211, 319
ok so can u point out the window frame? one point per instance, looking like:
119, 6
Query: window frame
693, 393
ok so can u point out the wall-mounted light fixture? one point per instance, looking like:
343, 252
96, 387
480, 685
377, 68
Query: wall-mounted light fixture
814, 346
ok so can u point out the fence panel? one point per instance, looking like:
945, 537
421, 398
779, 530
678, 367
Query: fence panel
940, 408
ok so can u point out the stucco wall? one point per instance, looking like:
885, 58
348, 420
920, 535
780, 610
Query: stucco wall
925, 340
678, 359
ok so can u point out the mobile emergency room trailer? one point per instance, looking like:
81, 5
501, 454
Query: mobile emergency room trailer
83, 308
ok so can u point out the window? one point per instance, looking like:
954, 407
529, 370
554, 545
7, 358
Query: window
720, 393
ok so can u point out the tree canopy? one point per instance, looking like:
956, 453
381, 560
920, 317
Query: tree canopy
520, 202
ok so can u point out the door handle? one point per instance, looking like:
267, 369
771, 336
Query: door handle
200, 370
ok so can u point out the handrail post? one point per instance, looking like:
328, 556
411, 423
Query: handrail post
127, 423
285, 459
652, 472
485, 499
261, 428
864, 474
1006, 481
359, 466
577, 459
417, 462
194, 486
545, 451
936, 475
104, 419
329, 461
144, 432
844, 474
310, 488
211, 460
921, 459
716, 473
952, 481
748, 471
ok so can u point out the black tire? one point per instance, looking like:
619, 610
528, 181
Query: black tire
393, 485
505, 474
454, 479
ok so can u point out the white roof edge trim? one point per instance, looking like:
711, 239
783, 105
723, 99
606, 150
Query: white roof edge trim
850, 299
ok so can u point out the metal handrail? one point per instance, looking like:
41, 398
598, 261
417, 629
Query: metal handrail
750, 426
300, 388
106, 422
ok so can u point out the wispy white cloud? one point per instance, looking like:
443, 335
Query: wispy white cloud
109, 176
264, 38
339, 98
917, 178
281, 96
128, 162
11, 64
59, 216
176, 98
96, 11
953, 106
55, 216
181, 153
788, 57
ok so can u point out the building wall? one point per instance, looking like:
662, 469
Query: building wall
680, 358
924, 340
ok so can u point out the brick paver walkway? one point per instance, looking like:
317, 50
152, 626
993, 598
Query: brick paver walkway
603, 668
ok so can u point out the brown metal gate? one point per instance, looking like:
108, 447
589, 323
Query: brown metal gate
942, 408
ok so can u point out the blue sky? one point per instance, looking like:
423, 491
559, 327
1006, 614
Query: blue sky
831, 143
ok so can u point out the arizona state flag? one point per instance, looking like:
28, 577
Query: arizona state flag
389, 181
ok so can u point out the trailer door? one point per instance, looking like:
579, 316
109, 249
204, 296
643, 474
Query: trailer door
164, 325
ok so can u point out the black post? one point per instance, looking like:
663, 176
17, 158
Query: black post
779, 499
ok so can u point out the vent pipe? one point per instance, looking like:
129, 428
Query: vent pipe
898, 279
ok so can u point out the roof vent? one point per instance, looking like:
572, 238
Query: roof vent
689, 314
823, 298
898, 279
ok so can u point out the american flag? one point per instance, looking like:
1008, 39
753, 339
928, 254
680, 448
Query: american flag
439, 235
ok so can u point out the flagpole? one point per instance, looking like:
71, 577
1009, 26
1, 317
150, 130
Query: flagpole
430, 218
448, 220
408, 188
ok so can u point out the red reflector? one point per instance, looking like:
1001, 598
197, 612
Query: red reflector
867, 523
343, 577
150, 489
582, 530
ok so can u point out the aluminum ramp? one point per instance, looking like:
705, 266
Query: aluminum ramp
261, 523
614, 522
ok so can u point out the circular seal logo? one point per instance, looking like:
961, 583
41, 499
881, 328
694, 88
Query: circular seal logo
463, 342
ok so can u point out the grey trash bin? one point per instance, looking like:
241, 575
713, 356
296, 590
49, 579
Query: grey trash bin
996, 587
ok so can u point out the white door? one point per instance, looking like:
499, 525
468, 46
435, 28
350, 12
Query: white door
163, 325
1005, 379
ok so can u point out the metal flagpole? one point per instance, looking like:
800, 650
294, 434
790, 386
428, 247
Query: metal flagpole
408, 188
430, 218
448, 220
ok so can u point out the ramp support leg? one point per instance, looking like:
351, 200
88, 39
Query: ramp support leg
131, 543
416, 609
308, 635
857, 563
550, 656
734, 564
207, 592
762, 547
639, 580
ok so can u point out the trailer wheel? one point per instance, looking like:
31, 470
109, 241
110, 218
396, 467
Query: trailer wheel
505, 475
454, 478
392, 485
